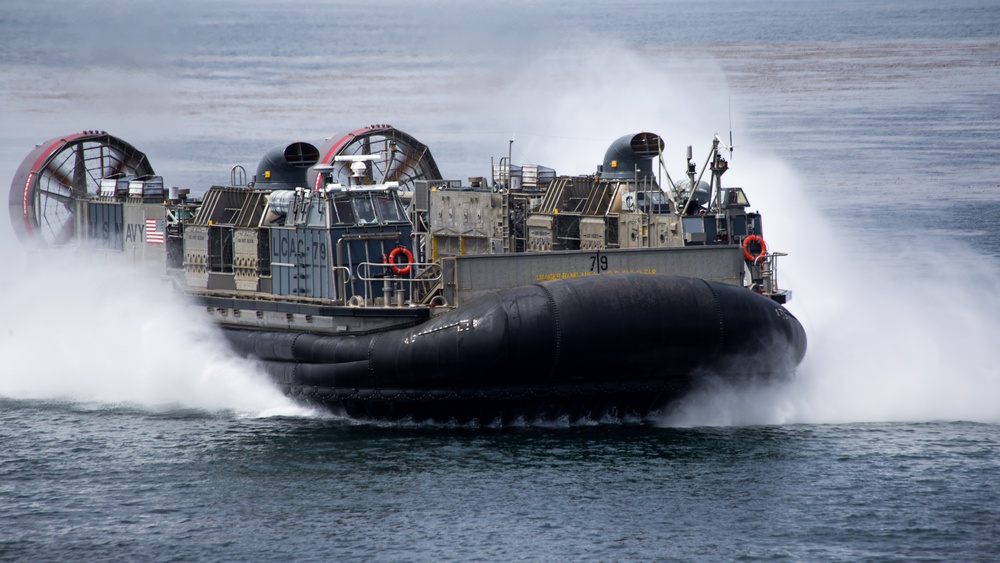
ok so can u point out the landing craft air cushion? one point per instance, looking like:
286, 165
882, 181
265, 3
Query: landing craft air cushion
363, 281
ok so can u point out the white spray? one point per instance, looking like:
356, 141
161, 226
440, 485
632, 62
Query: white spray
75, 327
894, 334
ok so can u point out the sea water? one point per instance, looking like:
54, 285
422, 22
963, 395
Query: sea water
865, 132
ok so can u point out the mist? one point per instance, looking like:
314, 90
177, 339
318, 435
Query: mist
897, 331
83, 328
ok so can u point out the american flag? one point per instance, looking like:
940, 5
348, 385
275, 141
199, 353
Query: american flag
154, 231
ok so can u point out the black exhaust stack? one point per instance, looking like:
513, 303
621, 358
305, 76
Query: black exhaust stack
631, 157
284, 168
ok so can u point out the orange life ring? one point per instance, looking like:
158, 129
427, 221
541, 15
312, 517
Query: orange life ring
746, 250
400, 269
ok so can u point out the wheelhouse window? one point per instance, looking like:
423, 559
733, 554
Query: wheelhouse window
364, 212
344, 213
389, 209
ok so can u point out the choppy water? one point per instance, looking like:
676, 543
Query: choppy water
131, 484
866, 132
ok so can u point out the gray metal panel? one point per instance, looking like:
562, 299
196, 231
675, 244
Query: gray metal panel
283, 261
300, 262
421, 196
221, 281
146, 186
139, 246
196, 256
540, 229
467, 214
476, 275
665, 230
738, 226
106, 225
448, 278
630, 230
592, 233
314, 267
245, 258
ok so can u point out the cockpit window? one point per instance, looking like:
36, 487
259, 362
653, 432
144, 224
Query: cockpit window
388, 210
345, 214
364, 212
736, 197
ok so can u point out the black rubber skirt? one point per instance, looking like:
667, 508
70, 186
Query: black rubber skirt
595, 346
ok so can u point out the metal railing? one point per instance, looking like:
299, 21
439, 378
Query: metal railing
392, 283
768, 264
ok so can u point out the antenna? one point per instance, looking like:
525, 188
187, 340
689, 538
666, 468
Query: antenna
730, 127
510, 168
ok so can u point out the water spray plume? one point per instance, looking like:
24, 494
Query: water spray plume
78, 328
894, 334
885, 344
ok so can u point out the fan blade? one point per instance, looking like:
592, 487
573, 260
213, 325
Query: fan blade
62, 181
366, 146
406, 164
79, 168
64, 199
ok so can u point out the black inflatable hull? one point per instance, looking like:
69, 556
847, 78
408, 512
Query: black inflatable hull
595, 346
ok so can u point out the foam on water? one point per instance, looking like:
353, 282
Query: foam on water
76, 327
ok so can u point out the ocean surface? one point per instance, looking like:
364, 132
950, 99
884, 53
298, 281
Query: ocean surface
866, 132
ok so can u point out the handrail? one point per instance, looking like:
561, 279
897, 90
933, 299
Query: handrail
386, 265
768, 264
344, 268
364, 273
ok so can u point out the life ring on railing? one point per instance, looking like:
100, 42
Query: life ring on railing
750, 255
400, 268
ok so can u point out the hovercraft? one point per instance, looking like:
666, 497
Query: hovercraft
363, 281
